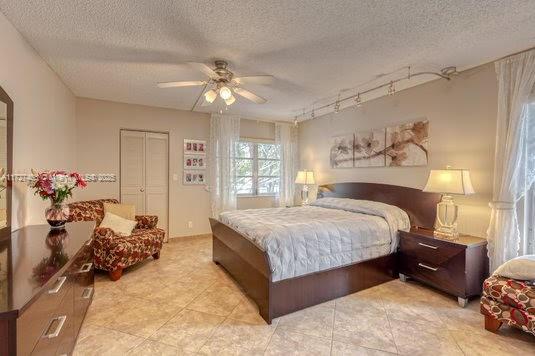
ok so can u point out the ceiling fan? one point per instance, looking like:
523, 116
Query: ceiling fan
223, 83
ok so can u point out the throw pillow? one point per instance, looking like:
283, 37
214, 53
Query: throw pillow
120, 226
125, 211
521, 268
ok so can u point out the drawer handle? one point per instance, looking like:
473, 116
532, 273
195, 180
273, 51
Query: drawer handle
86, 267
61, 321
87, 292
428, 246
428, 267
60, 282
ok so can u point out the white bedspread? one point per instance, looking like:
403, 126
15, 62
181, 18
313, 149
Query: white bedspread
331, 233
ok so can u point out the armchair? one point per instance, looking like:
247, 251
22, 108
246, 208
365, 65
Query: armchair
112, 252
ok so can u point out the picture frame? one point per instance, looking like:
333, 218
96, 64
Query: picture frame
194, 177
197, 147
194, 162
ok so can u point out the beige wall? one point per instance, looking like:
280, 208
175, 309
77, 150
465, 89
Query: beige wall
44, 119
462, 115
98, 126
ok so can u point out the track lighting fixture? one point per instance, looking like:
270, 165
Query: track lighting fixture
391, 89
358, 101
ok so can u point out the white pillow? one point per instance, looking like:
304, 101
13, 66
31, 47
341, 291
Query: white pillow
521, 268
119, 225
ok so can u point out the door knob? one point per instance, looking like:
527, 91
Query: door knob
141, 189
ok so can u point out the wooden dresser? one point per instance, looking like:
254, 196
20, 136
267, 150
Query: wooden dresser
457, 266
46, 288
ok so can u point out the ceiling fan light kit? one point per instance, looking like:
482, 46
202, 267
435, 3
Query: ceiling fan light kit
223, 83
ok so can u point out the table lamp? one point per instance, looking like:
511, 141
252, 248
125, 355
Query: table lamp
448, 182
305, 178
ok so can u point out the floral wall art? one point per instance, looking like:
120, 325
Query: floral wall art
402, 145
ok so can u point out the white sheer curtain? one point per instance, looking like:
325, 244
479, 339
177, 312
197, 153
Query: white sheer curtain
224, 133
514, 170
286, 138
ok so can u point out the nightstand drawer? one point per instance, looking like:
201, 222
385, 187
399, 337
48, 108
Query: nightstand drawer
429, 250
441, 276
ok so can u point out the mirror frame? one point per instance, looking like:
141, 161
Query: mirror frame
4, 97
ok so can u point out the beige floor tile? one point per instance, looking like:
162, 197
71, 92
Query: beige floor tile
364, 329
247, 311
99, 341
343, 349
188, 331
218, 299
153, 348
413, 311
142, 318
417, 339
489, 344
241, 335
289, 343
314, 321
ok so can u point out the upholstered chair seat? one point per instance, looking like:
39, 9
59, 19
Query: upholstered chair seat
112, 252
510, 301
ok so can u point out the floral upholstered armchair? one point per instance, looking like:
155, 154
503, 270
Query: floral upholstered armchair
112, 252
509, 301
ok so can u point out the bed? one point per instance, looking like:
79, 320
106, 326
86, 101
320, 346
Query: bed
288, 259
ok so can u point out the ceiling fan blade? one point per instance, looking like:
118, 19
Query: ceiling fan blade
181, 84
205, 69
250, 96
255, 79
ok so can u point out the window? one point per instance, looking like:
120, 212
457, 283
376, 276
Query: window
257, 168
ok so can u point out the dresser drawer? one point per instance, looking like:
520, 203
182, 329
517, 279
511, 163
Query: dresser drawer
428, 250
448, 277
58, 336
35, 319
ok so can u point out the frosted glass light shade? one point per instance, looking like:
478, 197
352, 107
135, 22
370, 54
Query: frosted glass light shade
449, 181
210, 95
225, 93
305, 177
230, 100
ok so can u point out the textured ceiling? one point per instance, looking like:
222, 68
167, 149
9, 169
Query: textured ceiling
118, 50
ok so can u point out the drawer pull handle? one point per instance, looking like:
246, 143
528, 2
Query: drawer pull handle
428, 267
428, 246
86, 267
61, 321
60, 282
87, 292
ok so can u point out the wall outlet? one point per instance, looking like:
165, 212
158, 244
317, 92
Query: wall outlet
190, 224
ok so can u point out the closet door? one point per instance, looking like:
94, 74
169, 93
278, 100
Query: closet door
133, 169
156, 201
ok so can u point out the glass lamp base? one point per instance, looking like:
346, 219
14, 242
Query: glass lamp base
447, 211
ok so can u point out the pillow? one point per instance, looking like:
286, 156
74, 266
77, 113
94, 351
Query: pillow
120, 226
125, 211
521, 268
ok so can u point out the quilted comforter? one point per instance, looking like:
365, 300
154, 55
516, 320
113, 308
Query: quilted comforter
332, 232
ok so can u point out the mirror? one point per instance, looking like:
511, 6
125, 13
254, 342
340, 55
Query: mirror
6, 135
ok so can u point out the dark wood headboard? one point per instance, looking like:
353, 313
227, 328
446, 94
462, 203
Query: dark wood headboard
420, 206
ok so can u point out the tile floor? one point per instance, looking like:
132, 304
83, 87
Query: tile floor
185, 304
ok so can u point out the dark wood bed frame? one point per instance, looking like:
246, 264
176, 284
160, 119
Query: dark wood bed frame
249, 265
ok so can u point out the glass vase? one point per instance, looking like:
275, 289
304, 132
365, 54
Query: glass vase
57, 215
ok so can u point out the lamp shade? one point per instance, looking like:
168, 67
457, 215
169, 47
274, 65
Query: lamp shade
449, 181
305, 177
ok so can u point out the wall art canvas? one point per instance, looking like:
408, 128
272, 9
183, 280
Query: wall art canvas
369, 148
407, 144
194, 162
342, 151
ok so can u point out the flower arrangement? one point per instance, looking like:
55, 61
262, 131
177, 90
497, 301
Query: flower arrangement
56, 185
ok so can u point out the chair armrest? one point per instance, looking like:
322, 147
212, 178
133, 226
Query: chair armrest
146, 221
102, 236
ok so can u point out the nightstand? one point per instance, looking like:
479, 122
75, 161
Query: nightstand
457, 267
